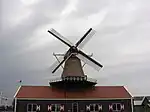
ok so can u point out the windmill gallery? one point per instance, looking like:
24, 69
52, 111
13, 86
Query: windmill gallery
73, 91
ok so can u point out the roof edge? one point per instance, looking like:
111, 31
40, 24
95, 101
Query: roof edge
128, 91
17, 91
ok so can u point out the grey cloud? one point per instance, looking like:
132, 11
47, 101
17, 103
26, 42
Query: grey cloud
13, 39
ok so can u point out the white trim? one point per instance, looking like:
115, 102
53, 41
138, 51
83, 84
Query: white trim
148, 105
143, 99
132, 104
127, 91
28, 107
55, 80
73, 98
91, 80
139, 102
15, 108
17, 91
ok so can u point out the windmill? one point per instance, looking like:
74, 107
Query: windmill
72, 58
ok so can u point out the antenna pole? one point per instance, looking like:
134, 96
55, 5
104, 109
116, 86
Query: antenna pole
1, 96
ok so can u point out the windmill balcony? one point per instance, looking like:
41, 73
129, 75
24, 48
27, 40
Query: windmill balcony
74, 78
73, 82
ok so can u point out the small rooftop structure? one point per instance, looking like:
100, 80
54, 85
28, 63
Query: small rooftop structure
142, 104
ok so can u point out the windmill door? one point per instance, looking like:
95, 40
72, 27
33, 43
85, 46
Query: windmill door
75, 107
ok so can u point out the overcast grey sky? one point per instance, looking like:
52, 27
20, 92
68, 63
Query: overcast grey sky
121, 42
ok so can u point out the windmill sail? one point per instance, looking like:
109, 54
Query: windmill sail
88, 60
60, 37
86, 39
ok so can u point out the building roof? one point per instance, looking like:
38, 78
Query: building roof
141, 97
47, 92
138, 97
139, 100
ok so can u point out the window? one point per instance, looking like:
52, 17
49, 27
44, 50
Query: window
116, 107
29, 107
93, 108
96, 107
74, 107
57, 108
53, 108
33, 107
